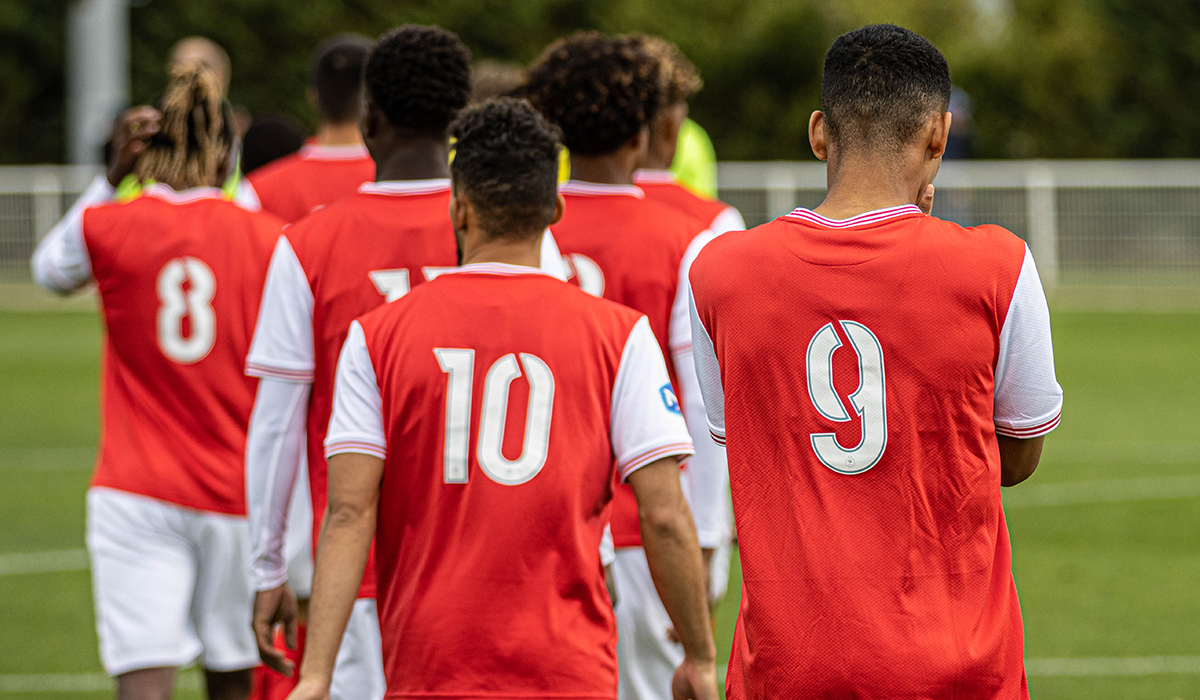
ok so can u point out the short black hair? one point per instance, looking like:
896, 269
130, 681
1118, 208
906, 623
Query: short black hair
272, 136
599, 90
881, 84
506, 163
419, 77
336, 74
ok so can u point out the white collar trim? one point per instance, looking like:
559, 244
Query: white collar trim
655, 177
406, 187
318, 152
495, 268
194, 194
594, 189
865, 219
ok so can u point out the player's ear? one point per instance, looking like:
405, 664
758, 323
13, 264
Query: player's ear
459, 216
816, 135
939, 135
369, 122
560, 206
310, 94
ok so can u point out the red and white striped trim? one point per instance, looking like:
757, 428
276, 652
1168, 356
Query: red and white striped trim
318, 152
654, 454
1030, 432
254, 369
187, 196
597, 189
866, 219
717, 438
400, 188
355, 446
495, 268
657, 177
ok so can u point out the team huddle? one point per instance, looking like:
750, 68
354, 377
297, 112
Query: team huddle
517, 405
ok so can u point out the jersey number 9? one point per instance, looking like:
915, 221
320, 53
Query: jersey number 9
869, 401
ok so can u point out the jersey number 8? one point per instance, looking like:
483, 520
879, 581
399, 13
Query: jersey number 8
195, 303
459, 366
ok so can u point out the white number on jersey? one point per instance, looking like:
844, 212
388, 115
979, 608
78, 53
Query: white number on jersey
195, 303
459, 365
869, 400
589, 274
393, 284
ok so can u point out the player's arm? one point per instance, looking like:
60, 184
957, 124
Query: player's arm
649, 437
708, 471
1028, 400
355, 447
281, 356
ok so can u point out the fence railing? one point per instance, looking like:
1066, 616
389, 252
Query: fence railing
1090, 222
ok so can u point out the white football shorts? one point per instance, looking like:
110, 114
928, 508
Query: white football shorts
647, 658
358, 671
171, 584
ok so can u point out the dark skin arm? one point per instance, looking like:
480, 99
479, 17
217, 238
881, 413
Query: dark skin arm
130, 137
1018, 458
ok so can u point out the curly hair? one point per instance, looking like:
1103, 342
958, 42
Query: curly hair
420, 77
599, 90
196, 135
678, 78
506, 164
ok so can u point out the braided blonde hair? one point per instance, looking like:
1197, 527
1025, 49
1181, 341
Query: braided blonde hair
195, 138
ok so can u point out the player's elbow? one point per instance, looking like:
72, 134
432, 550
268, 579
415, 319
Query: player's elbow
665, 521
350, 515
1018, 458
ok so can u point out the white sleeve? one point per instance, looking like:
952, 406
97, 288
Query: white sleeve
245, 196
61, 263
708, 373
646, 421
1028, 398
552, 262
282, 347
608, 550
707, 475
357, 421
298, 548
728, 220
274, 453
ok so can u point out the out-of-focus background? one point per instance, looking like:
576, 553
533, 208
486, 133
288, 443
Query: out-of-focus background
1076, 122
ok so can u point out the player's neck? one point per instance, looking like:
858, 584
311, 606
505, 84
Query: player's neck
659, 157
609, 169
339, 135
859, 186
526, 252
414, 159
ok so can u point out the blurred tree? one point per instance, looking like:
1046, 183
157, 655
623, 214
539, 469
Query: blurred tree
1050, 78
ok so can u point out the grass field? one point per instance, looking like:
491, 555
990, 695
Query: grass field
1106, 535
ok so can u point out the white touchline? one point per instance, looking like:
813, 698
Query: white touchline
57, 561
75, 682
1114, 666
47, 459
1107, 491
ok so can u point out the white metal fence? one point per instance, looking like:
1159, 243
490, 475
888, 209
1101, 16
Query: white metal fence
1094, 222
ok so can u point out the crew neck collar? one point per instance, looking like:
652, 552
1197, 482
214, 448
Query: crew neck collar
869, 218
598, 189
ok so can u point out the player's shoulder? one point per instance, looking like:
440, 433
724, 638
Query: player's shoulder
327, 222
278, 172
983, 240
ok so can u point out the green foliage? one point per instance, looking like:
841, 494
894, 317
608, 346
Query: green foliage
1049, 78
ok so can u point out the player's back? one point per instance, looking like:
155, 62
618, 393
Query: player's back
713, 214
293, 186
859, 363
497, 385
180, 276
356, 255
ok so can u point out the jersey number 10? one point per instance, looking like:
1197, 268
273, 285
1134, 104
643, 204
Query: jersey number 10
459, 366
869, 401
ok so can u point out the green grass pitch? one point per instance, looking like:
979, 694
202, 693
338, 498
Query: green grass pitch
1113, 577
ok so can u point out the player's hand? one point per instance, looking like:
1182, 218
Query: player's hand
272, 608
309, 689
695, 680
925, 203
130, 138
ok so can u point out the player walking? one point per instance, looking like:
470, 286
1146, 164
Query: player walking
603, 93
330, 268
478, 426
179, 271
878, 374
336, 162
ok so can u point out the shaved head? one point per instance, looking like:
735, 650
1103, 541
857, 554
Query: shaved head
207, 52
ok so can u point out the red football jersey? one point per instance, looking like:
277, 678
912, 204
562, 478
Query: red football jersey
294, 185
858, 372
713, 214
504, 403
624, 247
334, 266
180, 277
